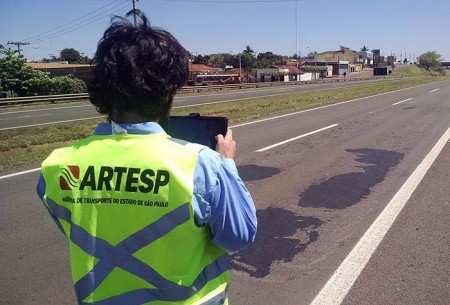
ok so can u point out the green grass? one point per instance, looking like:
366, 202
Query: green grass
31, 145
412, 71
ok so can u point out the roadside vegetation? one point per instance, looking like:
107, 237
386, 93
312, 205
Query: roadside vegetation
413, 71
29, 146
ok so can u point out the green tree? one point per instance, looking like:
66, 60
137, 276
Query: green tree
248, 58
23, 80
13, 71
248, 50
71, 55
364, 49
430, 60
200, 59
267, 59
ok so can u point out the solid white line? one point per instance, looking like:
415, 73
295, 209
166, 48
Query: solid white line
337, 287
19, 173
41, 124
296, 138
434, 90
408, 99
45, 109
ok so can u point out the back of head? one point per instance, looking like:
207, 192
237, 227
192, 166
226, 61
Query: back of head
137, 68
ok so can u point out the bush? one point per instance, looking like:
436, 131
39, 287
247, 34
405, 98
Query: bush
67, 84
22, 80
38, 83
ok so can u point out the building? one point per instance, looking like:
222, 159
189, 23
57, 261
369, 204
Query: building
343, 61
278, 73
198, 69
81, 71
365, 58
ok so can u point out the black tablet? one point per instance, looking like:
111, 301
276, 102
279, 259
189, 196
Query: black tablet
198, 129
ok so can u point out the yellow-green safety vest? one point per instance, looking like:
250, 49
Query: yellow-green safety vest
125, 204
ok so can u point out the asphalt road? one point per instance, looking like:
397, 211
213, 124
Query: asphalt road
352, 202
53, 113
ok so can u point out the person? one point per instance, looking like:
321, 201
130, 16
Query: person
149, 218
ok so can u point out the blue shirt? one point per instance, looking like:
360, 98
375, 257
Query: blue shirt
220, 198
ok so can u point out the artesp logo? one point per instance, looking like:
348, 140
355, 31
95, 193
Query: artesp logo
69, 177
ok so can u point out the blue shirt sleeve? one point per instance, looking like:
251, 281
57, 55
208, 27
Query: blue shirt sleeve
222, 201
40, 189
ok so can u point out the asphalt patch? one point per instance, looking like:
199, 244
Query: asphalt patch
255, 172
281, 236
342, 191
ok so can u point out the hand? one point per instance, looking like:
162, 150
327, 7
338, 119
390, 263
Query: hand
226, 147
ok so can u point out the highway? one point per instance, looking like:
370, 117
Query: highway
352, 201
52, 113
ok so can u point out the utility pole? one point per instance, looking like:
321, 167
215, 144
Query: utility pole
134, 13
18, 44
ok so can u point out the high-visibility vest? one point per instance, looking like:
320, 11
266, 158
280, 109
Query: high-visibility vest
125, 204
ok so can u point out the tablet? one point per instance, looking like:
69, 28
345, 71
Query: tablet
198, 129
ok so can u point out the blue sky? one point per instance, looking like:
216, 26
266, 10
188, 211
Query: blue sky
210, 26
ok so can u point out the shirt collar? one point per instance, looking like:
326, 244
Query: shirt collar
104, 128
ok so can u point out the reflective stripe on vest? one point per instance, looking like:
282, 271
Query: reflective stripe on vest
120, 255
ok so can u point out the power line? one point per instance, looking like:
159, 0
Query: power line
18, 44
236, 1
70, 22
80, 24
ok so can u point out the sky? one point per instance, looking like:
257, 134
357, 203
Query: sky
284, 27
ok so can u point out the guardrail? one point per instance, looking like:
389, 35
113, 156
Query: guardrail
191, 89
43, 98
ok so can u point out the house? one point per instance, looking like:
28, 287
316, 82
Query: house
197, 69
278, 73
343, 61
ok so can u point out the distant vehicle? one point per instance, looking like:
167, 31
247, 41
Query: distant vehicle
217, 79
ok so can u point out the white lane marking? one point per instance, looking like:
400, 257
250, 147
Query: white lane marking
41, 124
45, 109
434, 90
408, 99
318, 108
337, 287
25, 116
299, 92
19, 173
296, 138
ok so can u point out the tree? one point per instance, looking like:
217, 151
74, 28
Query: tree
71, 55
249, 50
267, 59
13, 70
430, 60
23, 80
364, 49
200, 59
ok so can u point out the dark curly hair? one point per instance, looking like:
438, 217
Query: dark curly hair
137, 68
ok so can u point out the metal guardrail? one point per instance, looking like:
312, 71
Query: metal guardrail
190, 89
43, 98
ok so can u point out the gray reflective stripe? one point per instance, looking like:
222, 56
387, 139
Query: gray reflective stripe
121, 256
137, 297
192, 146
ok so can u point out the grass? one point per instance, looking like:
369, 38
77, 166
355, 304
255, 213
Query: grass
412, 71
32, 145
